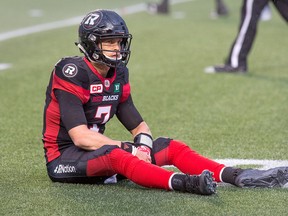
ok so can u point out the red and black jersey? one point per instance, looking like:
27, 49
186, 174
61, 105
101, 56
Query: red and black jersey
77, 90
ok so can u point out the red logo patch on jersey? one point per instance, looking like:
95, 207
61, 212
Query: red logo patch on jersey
97, 88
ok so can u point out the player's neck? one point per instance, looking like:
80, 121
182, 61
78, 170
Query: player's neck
101, 68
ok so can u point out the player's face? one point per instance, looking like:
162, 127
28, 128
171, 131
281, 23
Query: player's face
111, 48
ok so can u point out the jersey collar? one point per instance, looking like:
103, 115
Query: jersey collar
105, 81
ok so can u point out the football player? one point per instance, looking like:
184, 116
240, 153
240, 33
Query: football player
85, 92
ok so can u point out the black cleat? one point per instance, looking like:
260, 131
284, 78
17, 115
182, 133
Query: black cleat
253, 178
202, 184
225, 69
197, 184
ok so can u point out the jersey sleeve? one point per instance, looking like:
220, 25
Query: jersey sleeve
71, 109
126, 89
128, 115
126, 92
70, 77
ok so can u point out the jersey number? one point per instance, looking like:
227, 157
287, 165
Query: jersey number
103, 112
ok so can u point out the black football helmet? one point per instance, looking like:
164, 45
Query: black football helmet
99, 25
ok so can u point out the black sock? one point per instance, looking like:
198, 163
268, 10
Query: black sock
230, 173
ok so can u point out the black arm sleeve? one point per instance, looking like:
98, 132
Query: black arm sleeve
71, 109
128, 115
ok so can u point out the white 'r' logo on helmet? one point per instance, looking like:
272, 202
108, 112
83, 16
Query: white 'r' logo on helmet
90, 21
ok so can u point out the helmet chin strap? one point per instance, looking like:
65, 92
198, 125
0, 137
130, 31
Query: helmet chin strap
84, 51
97, 61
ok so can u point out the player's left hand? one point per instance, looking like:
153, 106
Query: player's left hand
143, 155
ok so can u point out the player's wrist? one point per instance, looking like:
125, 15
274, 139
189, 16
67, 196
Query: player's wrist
143, 139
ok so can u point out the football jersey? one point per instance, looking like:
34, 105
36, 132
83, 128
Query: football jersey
99, 96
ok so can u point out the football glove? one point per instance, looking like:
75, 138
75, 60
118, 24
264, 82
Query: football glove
129, 147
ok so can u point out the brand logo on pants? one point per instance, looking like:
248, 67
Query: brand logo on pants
64, 169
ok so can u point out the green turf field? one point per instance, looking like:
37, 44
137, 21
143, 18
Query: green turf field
220, 116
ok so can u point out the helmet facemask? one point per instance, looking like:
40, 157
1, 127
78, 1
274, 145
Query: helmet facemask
122, 55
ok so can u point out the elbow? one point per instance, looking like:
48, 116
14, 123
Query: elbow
77, 139
77, 142
77, 135
81, 143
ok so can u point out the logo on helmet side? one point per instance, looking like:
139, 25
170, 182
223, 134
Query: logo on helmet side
90, 21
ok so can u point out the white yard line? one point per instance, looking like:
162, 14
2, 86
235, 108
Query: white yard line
260, 164
4, 66
39, 28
